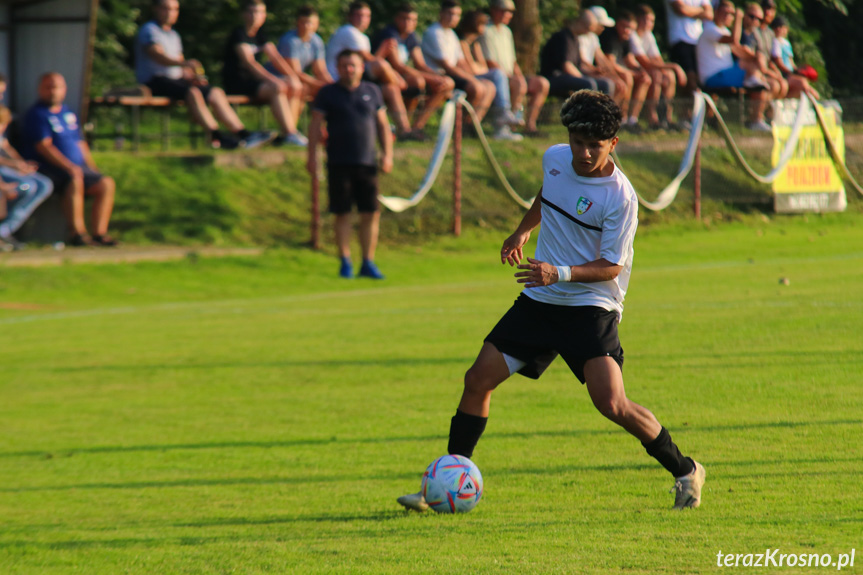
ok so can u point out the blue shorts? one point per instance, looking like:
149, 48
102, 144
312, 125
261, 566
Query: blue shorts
728, 78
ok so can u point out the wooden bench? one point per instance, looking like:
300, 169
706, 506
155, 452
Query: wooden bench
140, 98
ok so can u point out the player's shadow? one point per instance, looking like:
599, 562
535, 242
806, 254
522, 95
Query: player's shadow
336, 441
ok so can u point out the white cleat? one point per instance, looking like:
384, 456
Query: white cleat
414, 501
688, 488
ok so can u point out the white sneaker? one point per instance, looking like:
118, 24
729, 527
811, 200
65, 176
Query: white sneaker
505, 133
414, 501
759, 126
755, 82
688, 488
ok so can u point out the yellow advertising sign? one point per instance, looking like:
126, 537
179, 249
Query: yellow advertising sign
810, 172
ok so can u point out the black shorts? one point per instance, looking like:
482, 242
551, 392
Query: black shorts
537, 332
244, 87
460, 83
61, 178
352, 185
684, 54
175, 89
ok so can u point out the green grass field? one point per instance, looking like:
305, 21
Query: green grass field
260, 416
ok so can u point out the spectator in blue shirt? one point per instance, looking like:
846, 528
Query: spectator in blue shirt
50, 135
304, 50
354, 113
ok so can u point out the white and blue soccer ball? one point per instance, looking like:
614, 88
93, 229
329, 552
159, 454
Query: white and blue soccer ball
452, 484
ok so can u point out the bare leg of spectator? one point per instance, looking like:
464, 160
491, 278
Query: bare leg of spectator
103, 204
392, 85
199, 111
517, 91
438, 90
280, 106
73, 206
537, 88
369, 225
640, 87
342, 227
223, 111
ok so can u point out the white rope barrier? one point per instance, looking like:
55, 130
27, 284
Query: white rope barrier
668, 194
831, 146
444, 135
492, 160
787, 151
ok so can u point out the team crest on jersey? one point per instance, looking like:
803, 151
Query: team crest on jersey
554, 172
583, 205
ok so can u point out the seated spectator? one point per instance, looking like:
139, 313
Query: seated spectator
470, 30
593, 61
716, 66
304, 51
498, 48
420, 78
2, 87
615, 44
752, 41
685, 24
559, 59
442, 50
783, 56
161, 66
352, 36
50, 135
665, 75
245, 74
21, 187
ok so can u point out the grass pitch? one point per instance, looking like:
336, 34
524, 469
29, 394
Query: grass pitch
261, 416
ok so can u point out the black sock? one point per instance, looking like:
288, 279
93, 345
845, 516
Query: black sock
666, 453
243, 134
464, 433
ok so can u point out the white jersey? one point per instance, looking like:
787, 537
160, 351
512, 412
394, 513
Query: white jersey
682, 28
585, 219
348, 37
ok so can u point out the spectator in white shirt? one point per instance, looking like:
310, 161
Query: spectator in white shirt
716, 66
666, 75
352, 36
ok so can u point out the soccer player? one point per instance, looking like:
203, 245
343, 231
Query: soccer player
574, 293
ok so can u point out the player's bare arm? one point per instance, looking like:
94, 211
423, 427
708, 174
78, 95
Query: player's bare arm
512, 246
538, 273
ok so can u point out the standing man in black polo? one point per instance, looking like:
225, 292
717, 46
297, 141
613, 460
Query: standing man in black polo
355, 115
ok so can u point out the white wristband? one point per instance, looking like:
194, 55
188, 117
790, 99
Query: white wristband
564, 273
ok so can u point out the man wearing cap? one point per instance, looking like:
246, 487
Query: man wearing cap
499, 50
594, 62
685, 24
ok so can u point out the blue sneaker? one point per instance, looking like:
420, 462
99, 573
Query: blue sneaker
257, 139
347, 269
295, 139
370, 270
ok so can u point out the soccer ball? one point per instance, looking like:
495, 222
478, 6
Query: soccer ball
452, 484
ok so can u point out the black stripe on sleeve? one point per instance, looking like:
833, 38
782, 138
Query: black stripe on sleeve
569, 216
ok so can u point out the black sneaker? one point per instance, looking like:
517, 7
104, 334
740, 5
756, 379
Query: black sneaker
104, 241
10, 244
80, 241
222, 141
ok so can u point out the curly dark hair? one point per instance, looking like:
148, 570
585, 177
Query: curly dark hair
591, 113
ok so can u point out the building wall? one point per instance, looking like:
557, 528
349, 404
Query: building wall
44, 36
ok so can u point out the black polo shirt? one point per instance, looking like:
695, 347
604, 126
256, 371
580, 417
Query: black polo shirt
561, 47
351, 122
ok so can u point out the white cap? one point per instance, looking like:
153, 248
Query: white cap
602, 16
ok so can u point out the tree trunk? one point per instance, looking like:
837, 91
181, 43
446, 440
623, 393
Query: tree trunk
527, 33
